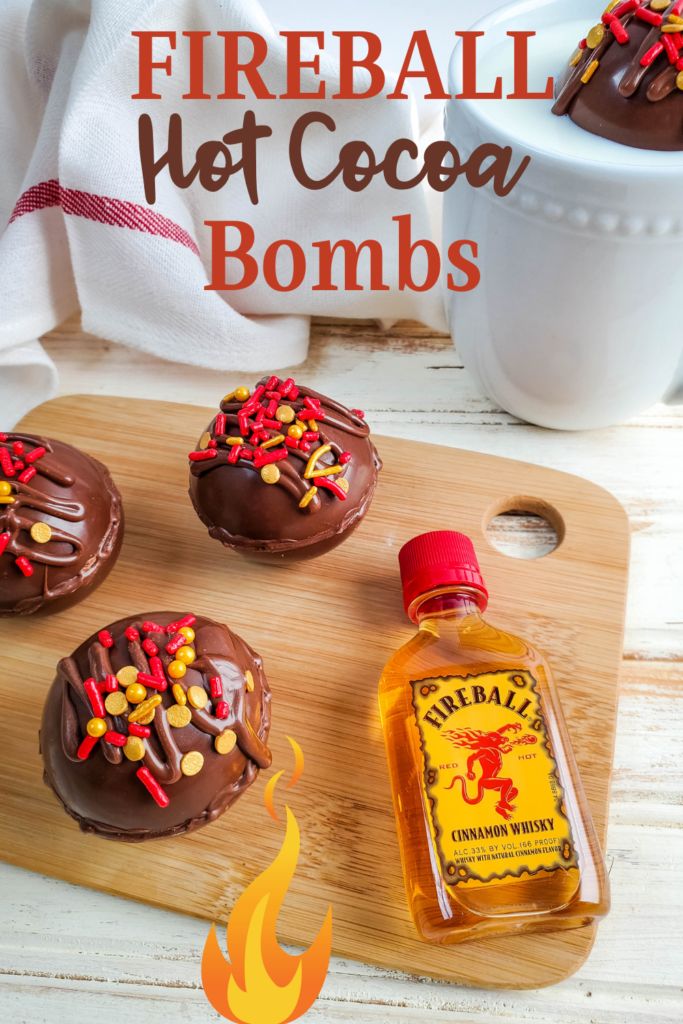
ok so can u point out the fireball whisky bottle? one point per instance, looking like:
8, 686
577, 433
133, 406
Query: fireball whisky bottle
494, 828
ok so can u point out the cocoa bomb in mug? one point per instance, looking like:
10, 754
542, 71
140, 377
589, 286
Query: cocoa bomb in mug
61, 524
283, 471
155, 725
625, 79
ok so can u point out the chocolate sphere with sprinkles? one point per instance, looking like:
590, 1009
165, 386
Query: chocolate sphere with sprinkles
61, 524
625, 79
282, 471
135, 751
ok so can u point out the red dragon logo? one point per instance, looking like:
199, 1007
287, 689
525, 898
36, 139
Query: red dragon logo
488, 749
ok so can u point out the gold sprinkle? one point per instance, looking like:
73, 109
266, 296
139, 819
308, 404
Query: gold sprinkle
127, 675
249, 680
272, 441
314, 456
308, 497
343, 483
179, 693
270, 474
312, 425
191, 763
229, 397
673, 28
6, 499
595, 36
225, 741
590, 71
178, 715
41, 533
232, 441
330, 471
614, 3
575, 59
145, 710
679, 80
204, 440
116, 703
197, 696
285, 414
134, 748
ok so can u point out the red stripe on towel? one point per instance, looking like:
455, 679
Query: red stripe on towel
115, 212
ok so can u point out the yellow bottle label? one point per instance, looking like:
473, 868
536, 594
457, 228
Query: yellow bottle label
491, 783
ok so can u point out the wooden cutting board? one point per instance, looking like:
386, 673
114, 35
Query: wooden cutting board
570, 603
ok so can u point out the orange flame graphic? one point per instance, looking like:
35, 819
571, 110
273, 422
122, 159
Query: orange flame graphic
261, 983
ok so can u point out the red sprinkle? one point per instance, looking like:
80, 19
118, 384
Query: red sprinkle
208, 453
222, 710
110, 684
291, 442
213, 443
95, 698
149, 647
344, 458
619, 32
5, 538
651, 56
625, 8
86, 747
310, 435
216, 687
152, 787
175, 643
271, 384
187, 620
583, 44
651, 17
117, 739
324, 481
286, 387
157, 668
3, 437
27, 475
153, 682
670, 47
132, 634
152, 627
6, 463
23, 563
234, 454
18, 447
220, 423
139, 730
264, 458
18, 465
105, 638
36, 454
359, 413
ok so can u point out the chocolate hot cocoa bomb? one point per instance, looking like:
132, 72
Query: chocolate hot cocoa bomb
282, 471
625, 80
141, 745
61, 524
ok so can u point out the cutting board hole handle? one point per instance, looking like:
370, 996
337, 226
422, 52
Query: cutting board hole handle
523, 527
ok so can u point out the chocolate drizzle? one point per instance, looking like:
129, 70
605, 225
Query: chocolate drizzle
74, 496
220, 654
630, 64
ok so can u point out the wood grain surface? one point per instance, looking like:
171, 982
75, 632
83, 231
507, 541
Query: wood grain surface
571, 603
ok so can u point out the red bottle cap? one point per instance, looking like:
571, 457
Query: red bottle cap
438, 559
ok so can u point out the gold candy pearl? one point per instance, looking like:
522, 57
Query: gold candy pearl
116, 703
296, 431
242, 394
41, 533
191, 763
134, 748
197, 697
178, 715
679, 80
177, 669
127, 675
5, 488
136, 693
285, 414
249, 680
187, 631
96, 727
270, 474
186, 655
225, 741
595, 36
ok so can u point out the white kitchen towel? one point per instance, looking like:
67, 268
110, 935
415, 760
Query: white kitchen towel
80, 233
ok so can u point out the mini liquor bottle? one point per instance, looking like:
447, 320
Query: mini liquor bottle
494, 828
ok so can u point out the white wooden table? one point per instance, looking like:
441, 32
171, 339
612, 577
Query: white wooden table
69, 955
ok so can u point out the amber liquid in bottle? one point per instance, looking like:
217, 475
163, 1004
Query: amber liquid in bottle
461, 820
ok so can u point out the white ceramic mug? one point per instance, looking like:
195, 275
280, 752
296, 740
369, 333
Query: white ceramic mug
577, 320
